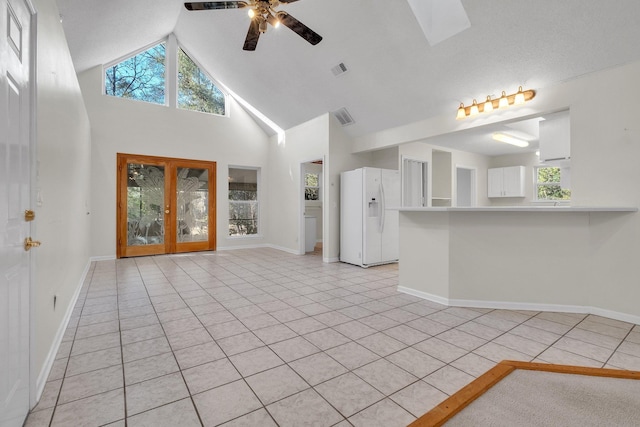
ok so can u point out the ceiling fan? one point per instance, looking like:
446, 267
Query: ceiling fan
261, 12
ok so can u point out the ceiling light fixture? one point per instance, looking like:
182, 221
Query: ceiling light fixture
503, 137
501, 103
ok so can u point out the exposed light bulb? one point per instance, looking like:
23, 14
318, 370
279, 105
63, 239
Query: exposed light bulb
252, 13
461, 113
519, 97
488, 105
474, 109
504, 102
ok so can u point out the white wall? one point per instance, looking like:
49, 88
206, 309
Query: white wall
126, 126
605, 172
63, 177
303, 143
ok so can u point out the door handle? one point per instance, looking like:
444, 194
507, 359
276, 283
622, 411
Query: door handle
166, 211
28, 244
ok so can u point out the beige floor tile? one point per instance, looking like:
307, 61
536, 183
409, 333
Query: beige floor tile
349, 394
354, 329
379, 322
385, 376
151, 367
100, 342
535, 334
100, 409
441, 350
254, 361
181, 325
497, 353
144, 349
419, 398
226, 403
479, 330
155, 393
317, 412
428, 326
97, 329
90, 384
39, 419
141, 334
180, 413
239, 343
462, 339
562, 357
448, 379
518, 343
625, 361
317, 368
275, 333
198, 355
595, 352
256, 418
406, 334
473, 364
386, 413
381, 344
49, 396
210, 375
352, 355
305, 325
415, 362
189, 339
294, 348
326, 338
275, 384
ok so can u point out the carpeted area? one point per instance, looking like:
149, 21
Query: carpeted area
532, 394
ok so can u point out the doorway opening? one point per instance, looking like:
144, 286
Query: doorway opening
165, 205
415, 183
465, 187
312, 210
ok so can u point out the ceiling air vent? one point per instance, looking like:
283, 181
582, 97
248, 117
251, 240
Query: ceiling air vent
343, 117
339, 69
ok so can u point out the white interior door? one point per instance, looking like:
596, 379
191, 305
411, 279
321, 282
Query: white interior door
15, 161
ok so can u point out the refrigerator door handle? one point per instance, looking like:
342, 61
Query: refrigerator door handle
382, 207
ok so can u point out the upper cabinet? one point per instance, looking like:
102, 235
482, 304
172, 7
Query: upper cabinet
555, 138
506, 182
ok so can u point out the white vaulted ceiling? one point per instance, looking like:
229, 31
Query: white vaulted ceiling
395, 76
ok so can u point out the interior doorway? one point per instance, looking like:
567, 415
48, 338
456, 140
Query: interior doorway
312, 211
165, 205
465, 187
415, 183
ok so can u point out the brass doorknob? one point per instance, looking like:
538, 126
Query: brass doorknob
28, 243
166, 211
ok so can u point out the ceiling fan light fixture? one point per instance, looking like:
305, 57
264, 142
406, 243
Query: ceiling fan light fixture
275, 22
252, 13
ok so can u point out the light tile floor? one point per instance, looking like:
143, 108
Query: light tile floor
264, 338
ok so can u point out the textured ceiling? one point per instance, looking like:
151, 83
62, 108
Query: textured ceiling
395, 77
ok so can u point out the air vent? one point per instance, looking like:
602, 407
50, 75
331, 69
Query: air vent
339, 69
343, 117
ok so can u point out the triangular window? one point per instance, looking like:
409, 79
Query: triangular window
141, 77
196, 91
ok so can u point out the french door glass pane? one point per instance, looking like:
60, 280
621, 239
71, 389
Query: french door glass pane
145, 201
193, 205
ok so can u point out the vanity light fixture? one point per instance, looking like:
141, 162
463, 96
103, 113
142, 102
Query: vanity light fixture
503, 137
501, 103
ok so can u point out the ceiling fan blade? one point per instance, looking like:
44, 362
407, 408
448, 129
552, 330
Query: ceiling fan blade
253, 35
287, 1
212, 5
299, 28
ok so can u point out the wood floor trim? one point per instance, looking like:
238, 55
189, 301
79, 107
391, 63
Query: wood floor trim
458, 401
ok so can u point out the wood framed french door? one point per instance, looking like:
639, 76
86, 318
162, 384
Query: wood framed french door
164, 205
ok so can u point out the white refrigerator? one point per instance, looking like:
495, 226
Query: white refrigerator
369, 232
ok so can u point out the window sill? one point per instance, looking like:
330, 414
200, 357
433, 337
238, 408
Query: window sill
246, 237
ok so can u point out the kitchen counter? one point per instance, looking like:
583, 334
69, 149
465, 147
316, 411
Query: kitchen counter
528, 258
521, 209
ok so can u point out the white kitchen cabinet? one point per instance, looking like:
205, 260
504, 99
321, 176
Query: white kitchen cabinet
506, 182
555, 138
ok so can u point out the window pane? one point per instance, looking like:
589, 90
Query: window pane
243, 202
193, 205
553, 192
311, 194
311, 180
145, 198
195, 89
548, 174
140, 77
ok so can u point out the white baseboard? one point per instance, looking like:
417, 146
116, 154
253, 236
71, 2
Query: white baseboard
283, 249
507, 305
55, 346
102, 258
330, 260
